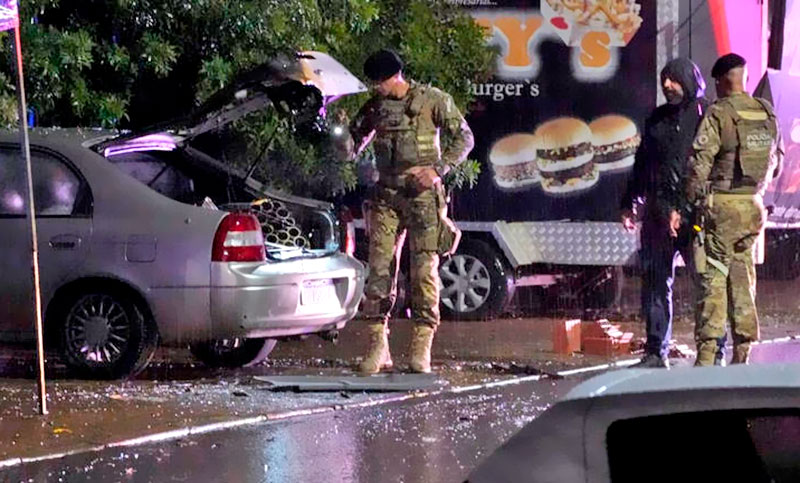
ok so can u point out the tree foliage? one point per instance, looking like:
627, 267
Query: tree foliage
130, 63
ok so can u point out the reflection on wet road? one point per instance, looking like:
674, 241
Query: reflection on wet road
429, 440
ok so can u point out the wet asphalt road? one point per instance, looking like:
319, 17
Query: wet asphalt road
428, 440
437, 439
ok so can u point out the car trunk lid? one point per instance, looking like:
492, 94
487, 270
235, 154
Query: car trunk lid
299, 87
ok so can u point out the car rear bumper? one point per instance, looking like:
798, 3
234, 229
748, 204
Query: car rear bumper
277, 299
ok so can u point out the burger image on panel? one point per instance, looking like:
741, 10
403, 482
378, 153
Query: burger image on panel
513, 160
565, 156
615, 139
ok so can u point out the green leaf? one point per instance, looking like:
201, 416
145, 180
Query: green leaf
215, 73
76, 49
159, 54
111, 110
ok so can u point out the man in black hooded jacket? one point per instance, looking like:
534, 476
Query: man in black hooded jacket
655, 196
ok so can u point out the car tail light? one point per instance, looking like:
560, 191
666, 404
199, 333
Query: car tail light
238, 239
348, 231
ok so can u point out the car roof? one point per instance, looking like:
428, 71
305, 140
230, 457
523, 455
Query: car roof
58, 136
638, 381
78, 143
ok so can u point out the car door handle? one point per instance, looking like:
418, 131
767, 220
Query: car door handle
65, 242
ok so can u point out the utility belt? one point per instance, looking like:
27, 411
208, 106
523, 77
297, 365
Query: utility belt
733, 185
401, 182
721, 196
397, 181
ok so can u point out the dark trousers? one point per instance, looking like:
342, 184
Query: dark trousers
659, 255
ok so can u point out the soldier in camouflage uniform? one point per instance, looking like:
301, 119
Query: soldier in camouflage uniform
736, 153
405, 119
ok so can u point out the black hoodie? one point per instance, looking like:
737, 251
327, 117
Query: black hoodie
662, 159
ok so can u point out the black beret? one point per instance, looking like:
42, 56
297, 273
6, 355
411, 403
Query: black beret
382, 64
725, 63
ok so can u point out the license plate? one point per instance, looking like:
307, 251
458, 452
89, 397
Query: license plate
318, 292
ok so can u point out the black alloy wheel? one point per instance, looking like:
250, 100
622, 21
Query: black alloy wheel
105, 335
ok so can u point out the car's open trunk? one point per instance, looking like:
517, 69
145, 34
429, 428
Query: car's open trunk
301, 86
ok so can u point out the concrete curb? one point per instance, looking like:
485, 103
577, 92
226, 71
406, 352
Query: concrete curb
176, 434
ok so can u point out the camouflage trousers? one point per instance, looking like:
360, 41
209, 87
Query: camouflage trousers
728, 279
392, 214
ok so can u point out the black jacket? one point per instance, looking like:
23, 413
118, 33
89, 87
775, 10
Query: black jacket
662, 159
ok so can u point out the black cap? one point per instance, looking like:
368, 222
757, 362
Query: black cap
724, 64
382, 64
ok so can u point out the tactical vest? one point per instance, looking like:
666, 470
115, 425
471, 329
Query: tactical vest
405, 135
746, 142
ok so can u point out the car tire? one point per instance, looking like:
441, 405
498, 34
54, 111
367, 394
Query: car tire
234, 352
105, 333
476, 283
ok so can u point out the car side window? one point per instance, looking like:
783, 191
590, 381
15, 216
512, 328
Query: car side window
763, 443
57, 189
157, 174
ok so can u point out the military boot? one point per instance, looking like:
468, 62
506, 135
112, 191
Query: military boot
420, 351
652, 361
706, 353
741, 354
378, 357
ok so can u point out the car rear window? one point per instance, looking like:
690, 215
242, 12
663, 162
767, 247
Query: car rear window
744, 445
157, 174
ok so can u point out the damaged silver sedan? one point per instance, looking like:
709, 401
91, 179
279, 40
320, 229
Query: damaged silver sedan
145, 239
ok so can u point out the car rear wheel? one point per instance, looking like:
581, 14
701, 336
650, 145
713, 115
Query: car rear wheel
476, 284
235, 352
105, 334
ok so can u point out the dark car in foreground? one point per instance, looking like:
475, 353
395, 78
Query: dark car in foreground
737, 423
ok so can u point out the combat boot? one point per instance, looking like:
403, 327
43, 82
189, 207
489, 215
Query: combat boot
741, 354
378, 357
652, 361
706, 353
420, 351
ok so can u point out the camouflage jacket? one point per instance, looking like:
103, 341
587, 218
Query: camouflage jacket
407, 131
716, 164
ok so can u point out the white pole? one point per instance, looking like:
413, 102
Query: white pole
26, 152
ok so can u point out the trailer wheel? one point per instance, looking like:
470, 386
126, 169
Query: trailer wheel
476, 284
